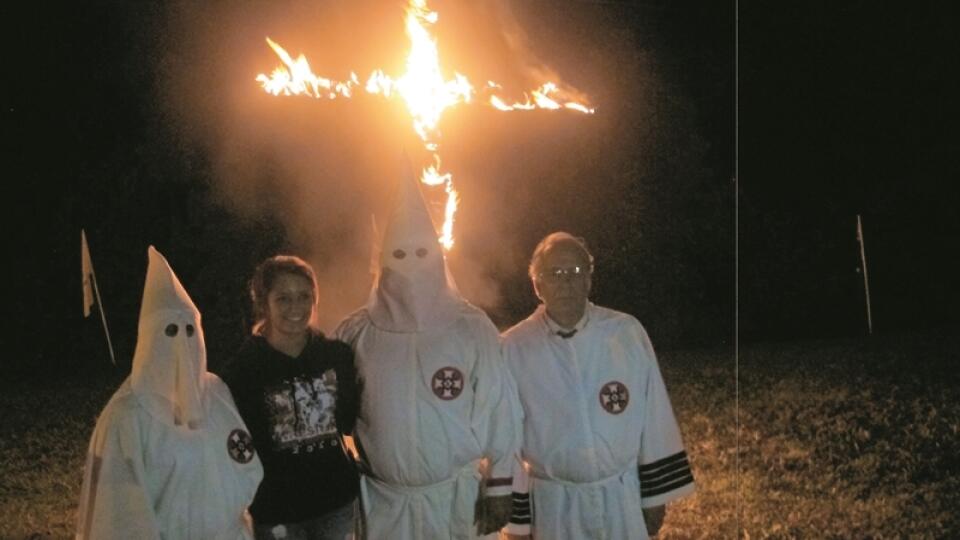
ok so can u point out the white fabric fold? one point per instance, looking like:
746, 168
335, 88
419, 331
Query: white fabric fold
413, 290
170, 356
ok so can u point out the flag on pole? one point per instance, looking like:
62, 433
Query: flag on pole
86, 266
866, 281
90, 290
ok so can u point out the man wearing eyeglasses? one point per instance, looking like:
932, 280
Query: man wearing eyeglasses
602, 453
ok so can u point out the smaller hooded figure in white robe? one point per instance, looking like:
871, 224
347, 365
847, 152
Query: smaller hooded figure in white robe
170, 456
437, 400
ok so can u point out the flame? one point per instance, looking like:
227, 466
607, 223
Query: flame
446, 236
297, 78
541, 100
422, 87
433, 177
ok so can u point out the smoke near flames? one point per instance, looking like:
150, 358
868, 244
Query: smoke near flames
326, 169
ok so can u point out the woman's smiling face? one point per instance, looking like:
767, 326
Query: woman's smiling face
290, 304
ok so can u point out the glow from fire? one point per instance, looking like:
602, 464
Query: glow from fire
424, 90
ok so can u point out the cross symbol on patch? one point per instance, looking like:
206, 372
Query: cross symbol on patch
614, 397
240, 446
447, 383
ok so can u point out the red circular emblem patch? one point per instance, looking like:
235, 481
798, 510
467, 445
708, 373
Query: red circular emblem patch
240, 446
447, 383
614, 397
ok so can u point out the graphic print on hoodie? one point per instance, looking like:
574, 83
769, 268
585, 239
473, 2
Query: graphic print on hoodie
300, 412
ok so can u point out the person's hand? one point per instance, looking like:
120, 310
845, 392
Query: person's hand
493, 513
654, 518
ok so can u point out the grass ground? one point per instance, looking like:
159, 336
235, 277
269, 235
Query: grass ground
837, 439
46, 427
843, 439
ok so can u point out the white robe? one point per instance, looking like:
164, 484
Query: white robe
595, 407
147, 478
434, 404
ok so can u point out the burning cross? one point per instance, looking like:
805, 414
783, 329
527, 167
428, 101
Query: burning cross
422, 87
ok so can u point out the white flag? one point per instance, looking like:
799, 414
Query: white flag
86, 267
90, 291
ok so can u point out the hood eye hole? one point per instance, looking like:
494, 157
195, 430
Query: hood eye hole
399, 254
171, 330
189, 329
421, 252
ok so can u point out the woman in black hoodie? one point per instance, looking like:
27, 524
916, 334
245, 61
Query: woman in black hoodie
297, 391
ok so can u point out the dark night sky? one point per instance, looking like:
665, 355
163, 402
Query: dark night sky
847, 108
821, 110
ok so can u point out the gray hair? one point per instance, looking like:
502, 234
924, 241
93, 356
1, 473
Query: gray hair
551, 241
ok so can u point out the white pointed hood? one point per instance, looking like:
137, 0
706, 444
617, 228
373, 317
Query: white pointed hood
170, 360
413, 291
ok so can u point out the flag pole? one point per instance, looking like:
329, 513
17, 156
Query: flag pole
103, 316
866, 282
87, 264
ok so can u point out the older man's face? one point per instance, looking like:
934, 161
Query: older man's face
563, 283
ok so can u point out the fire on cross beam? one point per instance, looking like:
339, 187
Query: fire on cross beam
423, 89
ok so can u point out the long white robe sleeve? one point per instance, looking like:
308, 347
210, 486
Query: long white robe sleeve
663, 466
496, 411
114, 499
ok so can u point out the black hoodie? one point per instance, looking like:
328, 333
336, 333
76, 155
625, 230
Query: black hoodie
297, 410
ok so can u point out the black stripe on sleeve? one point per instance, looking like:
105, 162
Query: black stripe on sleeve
665, 475
651, 476
665, 488
649, 467
520, 512
494, 482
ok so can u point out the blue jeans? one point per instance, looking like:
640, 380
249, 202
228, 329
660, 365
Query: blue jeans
335, 525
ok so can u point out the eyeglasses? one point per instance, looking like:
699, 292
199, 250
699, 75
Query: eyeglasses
558, 274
